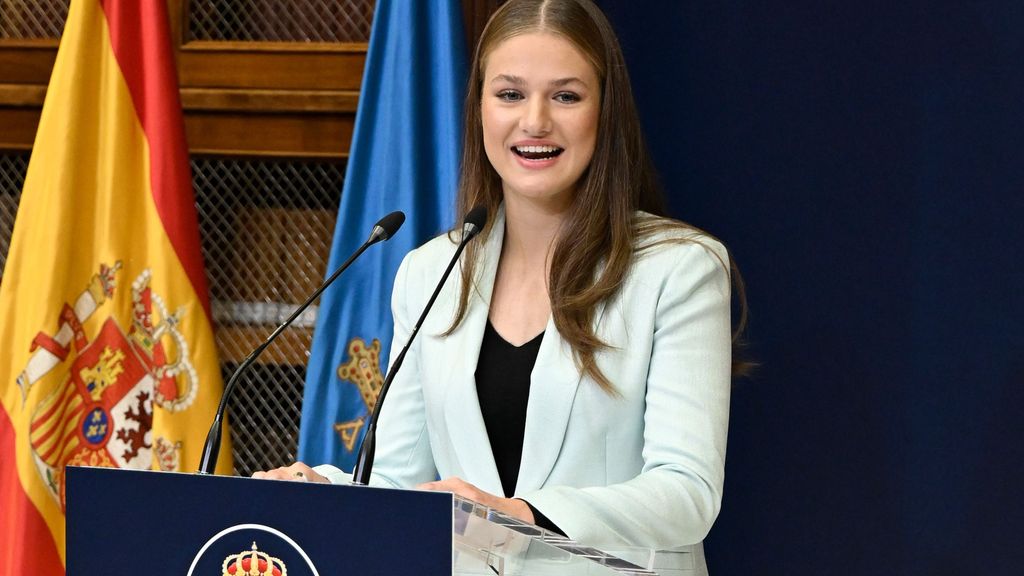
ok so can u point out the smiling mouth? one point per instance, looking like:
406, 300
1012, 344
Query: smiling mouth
537, 152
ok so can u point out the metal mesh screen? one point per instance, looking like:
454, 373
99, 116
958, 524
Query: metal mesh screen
218, 20
266, 229
13, 167
32, 19
280, 20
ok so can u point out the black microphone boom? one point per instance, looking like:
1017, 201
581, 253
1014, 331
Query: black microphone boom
384, 229
471, 226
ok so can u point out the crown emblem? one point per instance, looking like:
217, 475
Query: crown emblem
253, 563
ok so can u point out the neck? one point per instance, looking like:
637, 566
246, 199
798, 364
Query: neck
531, 230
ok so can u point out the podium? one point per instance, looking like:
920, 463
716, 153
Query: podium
142, 522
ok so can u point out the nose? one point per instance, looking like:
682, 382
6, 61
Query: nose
536, 118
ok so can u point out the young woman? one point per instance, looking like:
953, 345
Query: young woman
578, 373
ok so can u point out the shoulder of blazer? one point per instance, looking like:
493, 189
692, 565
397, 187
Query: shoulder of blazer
668, 245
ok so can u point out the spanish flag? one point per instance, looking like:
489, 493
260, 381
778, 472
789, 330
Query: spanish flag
107, 355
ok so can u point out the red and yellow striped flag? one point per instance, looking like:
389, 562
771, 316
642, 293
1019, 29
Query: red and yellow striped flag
107, 355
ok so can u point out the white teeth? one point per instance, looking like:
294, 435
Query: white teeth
538, 149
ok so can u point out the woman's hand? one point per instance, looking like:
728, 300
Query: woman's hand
297, 472
511, 506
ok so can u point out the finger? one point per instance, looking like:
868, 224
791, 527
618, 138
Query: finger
462, 488
296, 472
282, 473
456, 486
267, 474
448, 484
303, 473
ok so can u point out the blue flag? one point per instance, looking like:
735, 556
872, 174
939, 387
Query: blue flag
405, 156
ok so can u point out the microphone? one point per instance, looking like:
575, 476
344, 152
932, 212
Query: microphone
384, 229
472, 225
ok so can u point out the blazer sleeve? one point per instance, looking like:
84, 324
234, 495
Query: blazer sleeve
403, 457
676, 497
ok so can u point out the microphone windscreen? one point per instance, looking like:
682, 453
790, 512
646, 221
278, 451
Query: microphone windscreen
477, 217
391, 223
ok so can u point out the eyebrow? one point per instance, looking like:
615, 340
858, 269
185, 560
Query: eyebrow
519, 81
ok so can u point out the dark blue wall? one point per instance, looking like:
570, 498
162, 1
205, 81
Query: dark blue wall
865, 163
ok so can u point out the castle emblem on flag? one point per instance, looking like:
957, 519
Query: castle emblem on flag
99, 411
363, 370
253, 563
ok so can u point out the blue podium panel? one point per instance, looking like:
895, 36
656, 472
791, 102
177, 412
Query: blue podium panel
140, 522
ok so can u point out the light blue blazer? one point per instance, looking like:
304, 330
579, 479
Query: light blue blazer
640, 468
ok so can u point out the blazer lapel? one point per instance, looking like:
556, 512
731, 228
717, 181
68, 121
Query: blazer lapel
553, 385
465, 423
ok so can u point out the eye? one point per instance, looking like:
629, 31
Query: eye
509, 96
567, 97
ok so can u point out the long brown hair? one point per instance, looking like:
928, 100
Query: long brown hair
619, 181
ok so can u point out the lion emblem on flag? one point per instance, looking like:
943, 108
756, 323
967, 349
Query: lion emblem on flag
101, 411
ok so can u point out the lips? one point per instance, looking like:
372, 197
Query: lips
537, 152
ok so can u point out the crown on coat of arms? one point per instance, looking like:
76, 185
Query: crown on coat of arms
253, 563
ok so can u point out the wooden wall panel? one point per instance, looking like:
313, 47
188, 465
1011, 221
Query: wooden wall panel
224, 132
18, 127
343, 101
232, 133
26, 61
267, 65
475, 14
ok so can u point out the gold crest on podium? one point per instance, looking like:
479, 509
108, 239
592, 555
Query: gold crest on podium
253, 563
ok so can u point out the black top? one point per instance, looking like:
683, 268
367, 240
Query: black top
503, 387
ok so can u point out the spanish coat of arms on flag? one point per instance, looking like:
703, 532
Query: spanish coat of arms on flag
107, 355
